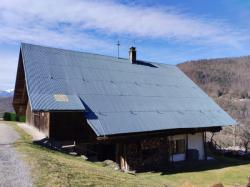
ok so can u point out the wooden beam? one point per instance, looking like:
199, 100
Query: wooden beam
126, 167
204, 145
186, 155
171, 149
121, 156
132, 137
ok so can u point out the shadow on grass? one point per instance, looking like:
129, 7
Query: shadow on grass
47, 143
219, 162
56, 146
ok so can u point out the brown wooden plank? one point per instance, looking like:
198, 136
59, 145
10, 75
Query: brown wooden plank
20, 99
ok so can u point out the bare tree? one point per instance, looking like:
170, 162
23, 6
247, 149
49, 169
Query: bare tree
244, 136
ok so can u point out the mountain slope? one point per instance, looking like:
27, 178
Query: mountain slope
227, 80
220, 76
7, 93
5, 105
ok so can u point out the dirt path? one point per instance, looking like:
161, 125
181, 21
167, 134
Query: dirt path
13, 171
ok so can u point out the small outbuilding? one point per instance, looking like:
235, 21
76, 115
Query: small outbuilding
143, 115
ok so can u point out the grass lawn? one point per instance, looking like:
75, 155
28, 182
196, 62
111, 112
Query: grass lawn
51, 168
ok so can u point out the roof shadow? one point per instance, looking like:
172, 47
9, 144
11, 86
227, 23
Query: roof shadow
89, 114
139, 62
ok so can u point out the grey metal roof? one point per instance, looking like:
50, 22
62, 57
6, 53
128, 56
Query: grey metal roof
117, 96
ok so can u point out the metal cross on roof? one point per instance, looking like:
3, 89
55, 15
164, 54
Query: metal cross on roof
118, 48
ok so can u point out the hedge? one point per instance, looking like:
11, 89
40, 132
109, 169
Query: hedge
8, 116
13, 117
21, 118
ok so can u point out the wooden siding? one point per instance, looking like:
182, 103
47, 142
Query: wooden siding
20, 99
40, 120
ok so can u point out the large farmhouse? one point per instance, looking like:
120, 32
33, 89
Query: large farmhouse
140, 114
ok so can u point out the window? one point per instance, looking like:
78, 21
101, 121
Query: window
178, 146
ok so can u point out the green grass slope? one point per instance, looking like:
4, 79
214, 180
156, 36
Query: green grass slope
51, 168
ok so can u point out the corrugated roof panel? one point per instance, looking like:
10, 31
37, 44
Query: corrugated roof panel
48, 102
72, 72
45, 79
114, 104
49, 86
152, 121
38, 70
57, 72
118, 97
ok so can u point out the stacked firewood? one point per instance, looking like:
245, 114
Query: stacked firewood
148, 153
152, 143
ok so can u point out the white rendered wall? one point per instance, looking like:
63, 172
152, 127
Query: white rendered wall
195, 141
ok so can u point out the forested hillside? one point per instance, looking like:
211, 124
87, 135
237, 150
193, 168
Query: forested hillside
227, 80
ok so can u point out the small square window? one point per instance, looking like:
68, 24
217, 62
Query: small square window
61, 98
178, 146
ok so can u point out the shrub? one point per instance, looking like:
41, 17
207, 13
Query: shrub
244, 94
21, 118
13, 117
6, 116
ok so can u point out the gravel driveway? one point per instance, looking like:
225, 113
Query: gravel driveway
13, 171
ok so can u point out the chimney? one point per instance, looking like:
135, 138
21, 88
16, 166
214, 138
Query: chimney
132, 55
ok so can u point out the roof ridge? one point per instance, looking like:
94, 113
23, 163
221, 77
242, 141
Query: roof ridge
90, 53
71, 50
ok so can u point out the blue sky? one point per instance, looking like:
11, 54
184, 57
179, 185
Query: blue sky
169, 31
